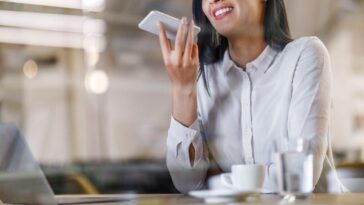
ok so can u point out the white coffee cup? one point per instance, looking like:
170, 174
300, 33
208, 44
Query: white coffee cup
245, 177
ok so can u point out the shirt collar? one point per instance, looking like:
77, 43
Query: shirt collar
263, 61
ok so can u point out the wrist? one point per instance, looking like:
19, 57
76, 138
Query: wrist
184, 105
183, 91
183, 95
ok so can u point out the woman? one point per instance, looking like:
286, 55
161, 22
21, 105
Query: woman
256, 85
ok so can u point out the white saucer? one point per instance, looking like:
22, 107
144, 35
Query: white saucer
220, 196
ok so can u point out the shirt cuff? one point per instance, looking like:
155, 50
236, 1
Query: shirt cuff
180, 130
180, 138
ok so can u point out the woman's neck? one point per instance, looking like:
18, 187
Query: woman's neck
244, 49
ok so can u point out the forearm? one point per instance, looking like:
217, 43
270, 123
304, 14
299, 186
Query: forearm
184, 105
184, 109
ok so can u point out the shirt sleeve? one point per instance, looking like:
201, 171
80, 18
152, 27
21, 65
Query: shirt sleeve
310, 108
186, 175
309, 111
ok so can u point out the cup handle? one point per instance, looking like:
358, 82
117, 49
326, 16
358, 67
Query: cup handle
226, 180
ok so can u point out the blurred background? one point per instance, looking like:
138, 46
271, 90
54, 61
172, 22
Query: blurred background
89, 91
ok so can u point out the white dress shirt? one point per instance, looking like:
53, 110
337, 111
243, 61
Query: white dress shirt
279, 95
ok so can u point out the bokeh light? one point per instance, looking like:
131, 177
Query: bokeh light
30, 69
97, 82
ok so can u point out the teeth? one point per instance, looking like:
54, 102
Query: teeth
222, 11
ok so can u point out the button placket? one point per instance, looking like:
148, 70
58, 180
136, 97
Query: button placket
246, 120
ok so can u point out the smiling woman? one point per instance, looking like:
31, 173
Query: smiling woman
270, 21
212, 44
258, 87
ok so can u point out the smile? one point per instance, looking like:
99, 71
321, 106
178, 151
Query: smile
222, 11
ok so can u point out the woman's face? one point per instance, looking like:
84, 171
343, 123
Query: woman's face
234, 17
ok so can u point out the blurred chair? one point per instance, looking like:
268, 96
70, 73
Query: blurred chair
70, 183
132, 176
352, 176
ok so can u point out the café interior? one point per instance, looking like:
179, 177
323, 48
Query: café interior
88, 89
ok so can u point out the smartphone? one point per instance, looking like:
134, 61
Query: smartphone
170, 24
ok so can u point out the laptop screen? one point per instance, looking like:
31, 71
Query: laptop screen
21, 179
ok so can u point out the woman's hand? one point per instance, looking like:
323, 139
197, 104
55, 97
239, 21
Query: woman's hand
182, 64
182, 61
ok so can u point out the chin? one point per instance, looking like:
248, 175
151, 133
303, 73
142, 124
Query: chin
226, 29
225, 32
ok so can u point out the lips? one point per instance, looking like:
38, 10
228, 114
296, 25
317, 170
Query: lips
222, 11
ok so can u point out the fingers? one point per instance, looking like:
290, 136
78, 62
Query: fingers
189, 44
195, 55
165, 44
180, 38
185, 53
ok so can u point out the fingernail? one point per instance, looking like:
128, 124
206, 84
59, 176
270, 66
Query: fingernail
158, 23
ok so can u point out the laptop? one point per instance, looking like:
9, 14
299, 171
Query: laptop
23, 182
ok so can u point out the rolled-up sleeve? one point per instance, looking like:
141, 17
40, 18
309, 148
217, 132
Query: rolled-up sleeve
186, 175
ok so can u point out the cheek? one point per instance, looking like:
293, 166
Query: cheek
246, 15
205, 10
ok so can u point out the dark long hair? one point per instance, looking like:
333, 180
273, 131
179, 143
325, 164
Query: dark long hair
276, 32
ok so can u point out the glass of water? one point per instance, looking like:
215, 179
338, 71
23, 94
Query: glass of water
294, 158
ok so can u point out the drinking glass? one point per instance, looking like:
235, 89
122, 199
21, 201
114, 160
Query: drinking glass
294, 159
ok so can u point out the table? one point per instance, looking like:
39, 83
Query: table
176, 199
